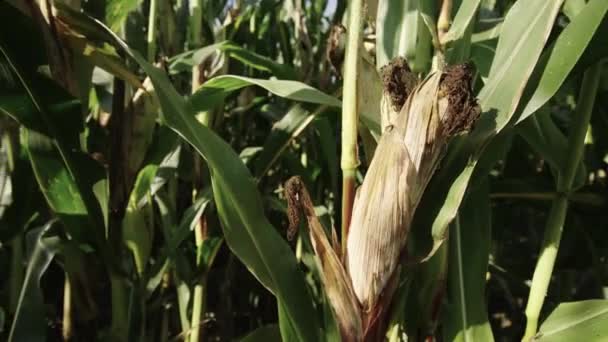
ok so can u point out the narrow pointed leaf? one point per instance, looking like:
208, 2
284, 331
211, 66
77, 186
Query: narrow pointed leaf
519, 48
187, 60
565, 53
214, 91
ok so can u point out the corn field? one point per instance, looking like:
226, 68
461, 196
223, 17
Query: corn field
304, 170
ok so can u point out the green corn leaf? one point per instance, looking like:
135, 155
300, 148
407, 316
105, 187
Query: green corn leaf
488, 34
564, 54
286, 324
117, 12
2, 319
482, 54
526, 29
57, 185
578, 321
138, 222
425, 291
267, 333
187, 60
29, 322
465, 317
214, 91
502, 92
327, 142
464, 16
543, 135
56, 121
246, 230
282, 133
254, 60
397, 25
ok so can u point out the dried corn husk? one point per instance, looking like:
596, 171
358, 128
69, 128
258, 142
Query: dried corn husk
405, 159
333, 275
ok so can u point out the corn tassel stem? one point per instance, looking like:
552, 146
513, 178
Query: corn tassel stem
196, 37
119, 329
164, 326
350, 108
17, 274
559, 207
198, 301
165, 310
197, 311
196, 40
151, 38
443, 23
120, 316
66, 326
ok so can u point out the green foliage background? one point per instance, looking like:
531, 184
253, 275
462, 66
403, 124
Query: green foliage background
160, 213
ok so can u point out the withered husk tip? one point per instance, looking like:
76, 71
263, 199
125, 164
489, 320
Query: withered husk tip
293, 188
398, 81
463, 110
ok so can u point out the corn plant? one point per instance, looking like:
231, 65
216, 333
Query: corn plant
324, 170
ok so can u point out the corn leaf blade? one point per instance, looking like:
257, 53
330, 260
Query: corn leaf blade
466, 318
246, 230
584, 321
565, 53
519, 48
465, 14
214, 91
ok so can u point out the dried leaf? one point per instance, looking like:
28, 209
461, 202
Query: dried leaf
335, 280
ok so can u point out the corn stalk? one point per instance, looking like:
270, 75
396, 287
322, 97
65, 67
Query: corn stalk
350, 113
559, 207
